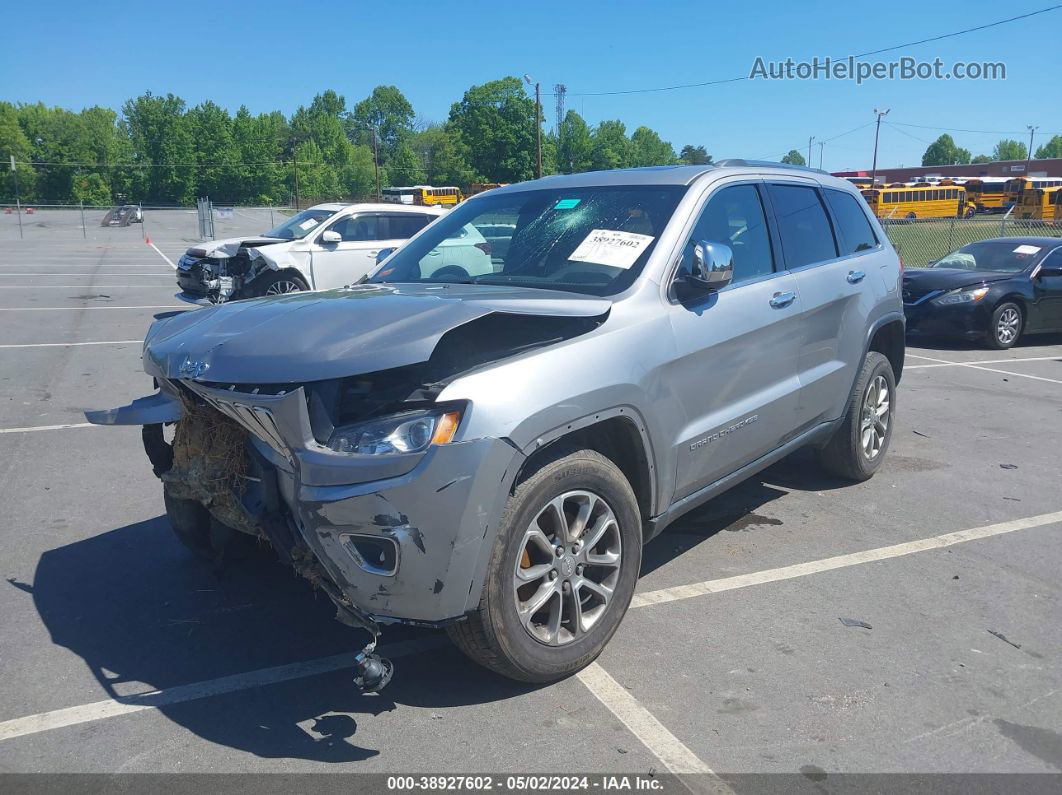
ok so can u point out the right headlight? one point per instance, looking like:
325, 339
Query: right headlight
408, 432
967, 296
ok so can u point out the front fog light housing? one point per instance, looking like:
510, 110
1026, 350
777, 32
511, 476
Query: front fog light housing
409, 432
962, 296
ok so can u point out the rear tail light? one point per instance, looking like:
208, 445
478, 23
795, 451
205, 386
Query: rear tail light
901, 264
484, 247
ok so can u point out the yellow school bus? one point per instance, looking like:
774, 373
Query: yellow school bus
1038, 204
910, 201
1018, 185
987, 194
423, 194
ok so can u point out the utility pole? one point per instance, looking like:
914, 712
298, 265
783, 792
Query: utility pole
822, 145
18, 200
376, 162
877, 130
810, 139
295, 168
1028, 155
538, 125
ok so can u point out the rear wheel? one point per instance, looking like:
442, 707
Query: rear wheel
1005, 327
857, 448
562, 572
279, 284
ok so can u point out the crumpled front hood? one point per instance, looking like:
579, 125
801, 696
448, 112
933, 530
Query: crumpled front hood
227, 247
949, 278
306, 337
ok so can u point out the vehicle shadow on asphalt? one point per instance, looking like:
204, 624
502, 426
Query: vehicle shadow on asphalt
740, 508
144, 614
938, 344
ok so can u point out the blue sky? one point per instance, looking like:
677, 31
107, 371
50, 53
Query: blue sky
276, 55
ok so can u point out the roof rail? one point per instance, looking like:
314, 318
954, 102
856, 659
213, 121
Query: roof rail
736, 162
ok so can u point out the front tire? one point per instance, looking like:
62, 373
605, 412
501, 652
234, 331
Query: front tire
562, 571
1005, 328
857, 448
279, 284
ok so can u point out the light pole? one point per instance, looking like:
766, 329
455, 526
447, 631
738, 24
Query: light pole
538, 125
810, 139
877, 130
822, 145
1028, 155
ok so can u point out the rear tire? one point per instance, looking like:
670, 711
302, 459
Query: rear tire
581, 598
1005, 327
857, 448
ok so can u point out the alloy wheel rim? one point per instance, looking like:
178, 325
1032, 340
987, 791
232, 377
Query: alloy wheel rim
1007, 327
282, 287
877, 410
567, 567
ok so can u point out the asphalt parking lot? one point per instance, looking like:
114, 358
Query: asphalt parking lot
121, 653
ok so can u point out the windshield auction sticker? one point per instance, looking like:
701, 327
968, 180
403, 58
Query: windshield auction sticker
611, 247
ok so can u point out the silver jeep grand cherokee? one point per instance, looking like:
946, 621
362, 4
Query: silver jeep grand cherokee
489, 452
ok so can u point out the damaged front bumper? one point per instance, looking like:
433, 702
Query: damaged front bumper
400, 538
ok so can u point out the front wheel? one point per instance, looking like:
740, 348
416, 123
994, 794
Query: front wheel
279, 284
562, 572
1005, 327
857, 448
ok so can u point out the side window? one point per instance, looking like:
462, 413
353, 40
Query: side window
855, 230
403, 227
734, 216
802, 224
1053, 260
357, 228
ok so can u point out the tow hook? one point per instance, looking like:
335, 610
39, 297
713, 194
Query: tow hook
373, 671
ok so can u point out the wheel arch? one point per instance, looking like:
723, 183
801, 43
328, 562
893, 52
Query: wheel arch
888, 338
620, 435
272, 273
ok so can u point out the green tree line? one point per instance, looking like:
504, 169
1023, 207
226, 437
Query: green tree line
157, 149
945, 152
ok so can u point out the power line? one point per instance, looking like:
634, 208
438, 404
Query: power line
860, 55
959, 129
824, 140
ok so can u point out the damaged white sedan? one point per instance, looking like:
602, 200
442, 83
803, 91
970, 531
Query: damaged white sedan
323, 247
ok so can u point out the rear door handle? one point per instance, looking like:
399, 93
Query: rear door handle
855, 277
780, 300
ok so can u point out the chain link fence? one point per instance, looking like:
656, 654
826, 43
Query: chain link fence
71, 222
921, 241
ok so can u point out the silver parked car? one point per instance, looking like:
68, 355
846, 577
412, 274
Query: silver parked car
489, 451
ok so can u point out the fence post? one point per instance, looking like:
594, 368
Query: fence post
143, 221
271, 224
84, 234
951, 236
1003, 223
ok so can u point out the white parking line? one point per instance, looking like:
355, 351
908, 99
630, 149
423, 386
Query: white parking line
86, 713
943, 363
620, 706
988, 369
50, 427
665, 595
69, 344
168, 260
57, 308
665, 746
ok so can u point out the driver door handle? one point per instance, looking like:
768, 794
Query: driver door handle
855, 277
780, 300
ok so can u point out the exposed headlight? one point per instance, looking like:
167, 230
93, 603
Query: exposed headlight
409, 432
962, 296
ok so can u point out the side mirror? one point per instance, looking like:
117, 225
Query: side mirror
1051, 271
331, 236
384, 253
712, 268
